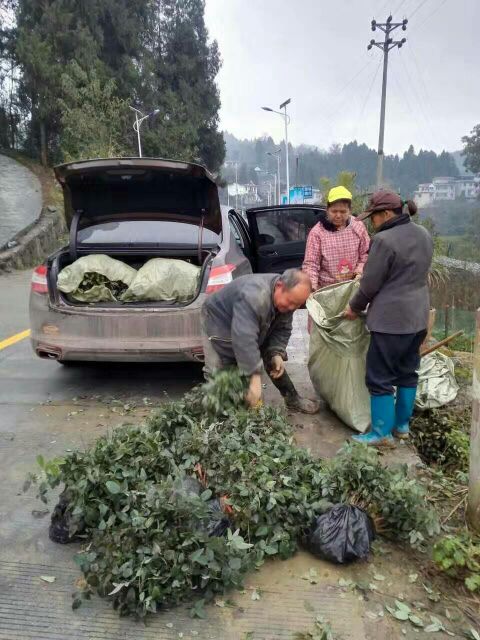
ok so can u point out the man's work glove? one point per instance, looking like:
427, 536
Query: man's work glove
254, 393
278, 367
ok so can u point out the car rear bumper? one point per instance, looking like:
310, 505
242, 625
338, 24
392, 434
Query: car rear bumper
108, 335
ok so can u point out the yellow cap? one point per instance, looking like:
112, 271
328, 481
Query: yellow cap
338, 193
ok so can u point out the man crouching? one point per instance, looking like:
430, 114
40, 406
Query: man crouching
248, 323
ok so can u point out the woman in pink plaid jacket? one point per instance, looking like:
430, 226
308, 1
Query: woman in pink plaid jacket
337, 247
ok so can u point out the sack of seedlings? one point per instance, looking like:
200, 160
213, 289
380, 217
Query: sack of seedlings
96, 278
342, 534
64, 527
338, 349
164, 280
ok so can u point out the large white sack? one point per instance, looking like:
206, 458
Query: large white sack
164, 280
71, 277
338, 349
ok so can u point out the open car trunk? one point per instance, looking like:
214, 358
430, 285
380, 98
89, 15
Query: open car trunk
135, 209
63, 259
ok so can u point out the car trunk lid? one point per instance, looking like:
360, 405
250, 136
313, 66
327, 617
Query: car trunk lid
119, 189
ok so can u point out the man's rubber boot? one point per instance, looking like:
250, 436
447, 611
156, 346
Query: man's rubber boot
404, 406
383, 420
292, 400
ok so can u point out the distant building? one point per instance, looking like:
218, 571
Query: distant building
446, 188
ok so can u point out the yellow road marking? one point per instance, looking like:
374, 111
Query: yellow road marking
14, 339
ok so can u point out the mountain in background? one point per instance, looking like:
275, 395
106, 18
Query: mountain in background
309, 164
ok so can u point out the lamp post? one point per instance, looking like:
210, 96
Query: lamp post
235, 163
277, 155
138, 122
286, 118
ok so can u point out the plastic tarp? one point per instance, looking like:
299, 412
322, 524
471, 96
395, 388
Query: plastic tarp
165, 280
437, 385
338, 349
70, 278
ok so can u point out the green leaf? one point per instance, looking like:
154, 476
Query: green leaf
113, 487
206, 495
198, 610
41, 461
418, 622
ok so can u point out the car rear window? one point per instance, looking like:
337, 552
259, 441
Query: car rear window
146, 232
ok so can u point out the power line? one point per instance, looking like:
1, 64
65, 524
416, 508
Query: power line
418, 8
437, 8
400, 6
418, 98
366, 99
330, 115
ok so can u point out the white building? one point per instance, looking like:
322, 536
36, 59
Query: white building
447, 189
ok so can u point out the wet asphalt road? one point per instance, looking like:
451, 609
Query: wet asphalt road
20, 198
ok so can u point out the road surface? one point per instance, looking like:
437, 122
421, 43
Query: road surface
20, 198
45, 409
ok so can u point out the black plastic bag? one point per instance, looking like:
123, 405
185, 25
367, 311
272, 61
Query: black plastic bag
341, 535
61, 523
219, 522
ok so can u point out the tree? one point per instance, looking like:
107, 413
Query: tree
345, 179
471, 150
184, 66
93, 117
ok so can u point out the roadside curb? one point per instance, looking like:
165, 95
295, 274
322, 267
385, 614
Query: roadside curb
35, 242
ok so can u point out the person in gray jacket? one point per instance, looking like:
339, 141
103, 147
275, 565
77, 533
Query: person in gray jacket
248, 323
394, 287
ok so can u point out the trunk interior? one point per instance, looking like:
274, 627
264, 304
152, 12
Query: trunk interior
63, 259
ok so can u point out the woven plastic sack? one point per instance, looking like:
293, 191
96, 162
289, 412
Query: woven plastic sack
338, 349
437, 385
70, 279
164, 280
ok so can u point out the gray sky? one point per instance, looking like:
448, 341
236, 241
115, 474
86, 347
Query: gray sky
308, 50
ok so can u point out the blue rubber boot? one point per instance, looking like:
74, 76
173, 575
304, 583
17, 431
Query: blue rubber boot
383, 419
403, 411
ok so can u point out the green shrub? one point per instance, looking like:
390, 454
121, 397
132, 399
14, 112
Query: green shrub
148, 543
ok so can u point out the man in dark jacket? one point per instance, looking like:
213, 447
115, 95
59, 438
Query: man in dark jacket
249, 323
394, 286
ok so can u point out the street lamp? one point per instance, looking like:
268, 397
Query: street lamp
138, 122
277, 155
233, 162
287, 122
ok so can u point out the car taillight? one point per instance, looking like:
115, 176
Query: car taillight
39, 279
219, 277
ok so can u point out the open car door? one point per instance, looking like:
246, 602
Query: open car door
279, 235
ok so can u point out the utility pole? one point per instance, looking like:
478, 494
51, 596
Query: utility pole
386, 46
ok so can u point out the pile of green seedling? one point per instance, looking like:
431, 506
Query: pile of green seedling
141, 498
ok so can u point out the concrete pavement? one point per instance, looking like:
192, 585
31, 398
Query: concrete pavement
20, 198
46, 409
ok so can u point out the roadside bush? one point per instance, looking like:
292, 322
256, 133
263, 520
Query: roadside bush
441, 437
459, 557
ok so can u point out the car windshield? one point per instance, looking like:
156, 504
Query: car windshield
147, 232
